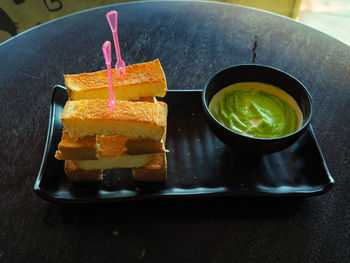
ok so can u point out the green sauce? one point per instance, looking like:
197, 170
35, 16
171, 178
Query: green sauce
256, 110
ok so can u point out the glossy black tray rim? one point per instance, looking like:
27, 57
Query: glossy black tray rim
212, 193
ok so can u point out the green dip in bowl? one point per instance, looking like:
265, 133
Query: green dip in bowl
257, 110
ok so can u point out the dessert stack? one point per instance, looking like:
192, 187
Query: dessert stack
132, 136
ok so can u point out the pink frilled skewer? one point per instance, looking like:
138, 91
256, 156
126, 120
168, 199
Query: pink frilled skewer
112, 18
106, 48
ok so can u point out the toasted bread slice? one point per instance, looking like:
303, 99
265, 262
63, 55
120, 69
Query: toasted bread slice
141, 80
154, 171
97, 147
109, 146
79, 149
125, 161
75, 174
131, 118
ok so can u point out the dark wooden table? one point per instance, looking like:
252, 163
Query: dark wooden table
192, 40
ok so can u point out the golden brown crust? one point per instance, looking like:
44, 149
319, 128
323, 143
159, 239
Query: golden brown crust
141, 80
96, 147
111, 146
76, 174
93, 117
79, 149
125, 111
154, 171
135, 146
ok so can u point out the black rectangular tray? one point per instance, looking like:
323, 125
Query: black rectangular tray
199, 165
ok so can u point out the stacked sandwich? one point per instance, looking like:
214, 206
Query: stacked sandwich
133, 136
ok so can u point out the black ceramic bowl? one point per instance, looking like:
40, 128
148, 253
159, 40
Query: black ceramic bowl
263, 74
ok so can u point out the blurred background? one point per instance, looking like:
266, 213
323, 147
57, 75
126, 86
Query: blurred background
330, 16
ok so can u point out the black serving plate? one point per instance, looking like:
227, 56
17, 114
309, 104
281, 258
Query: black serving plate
199, 165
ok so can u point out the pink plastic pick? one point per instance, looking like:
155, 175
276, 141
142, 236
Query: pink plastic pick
106, 48
112, 18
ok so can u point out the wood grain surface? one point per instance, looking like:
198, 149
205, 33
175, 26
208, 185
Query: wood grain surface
192, 40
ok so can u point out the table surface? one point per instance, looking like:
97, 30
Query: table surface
192, 40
